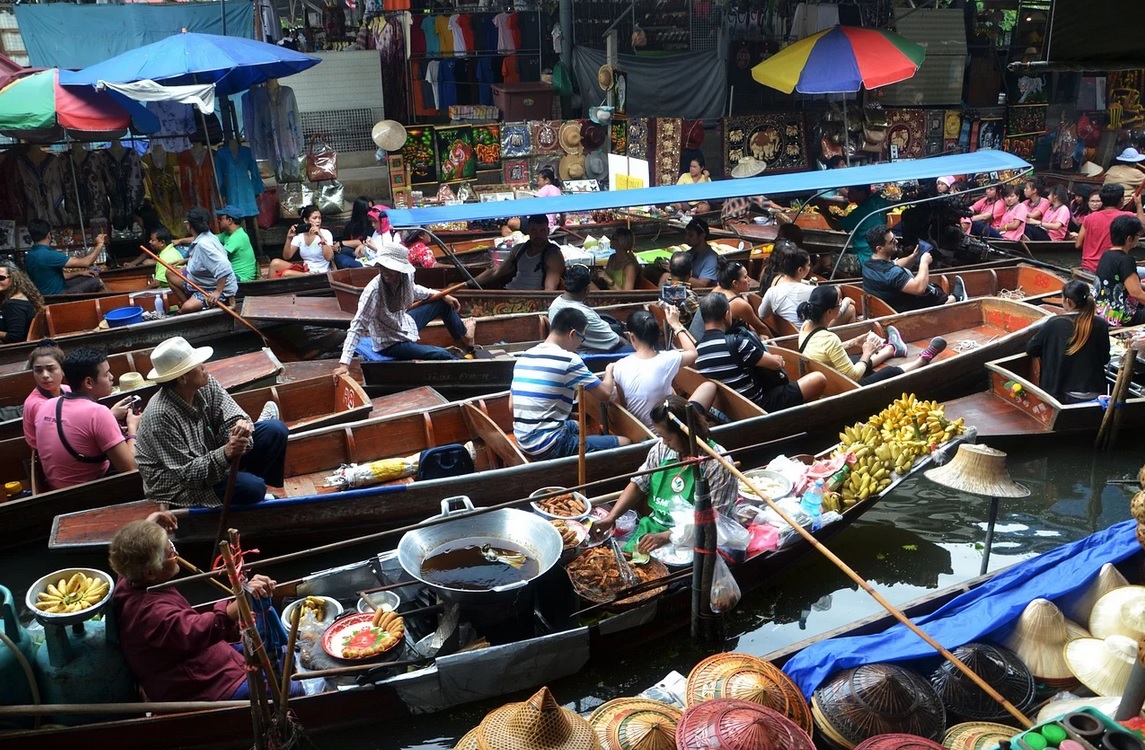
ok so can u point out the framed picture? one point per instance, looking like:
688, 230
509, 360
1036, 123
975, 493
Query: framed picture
402, 197
397, 168
456, 158
420, 153
487, 146
515, 171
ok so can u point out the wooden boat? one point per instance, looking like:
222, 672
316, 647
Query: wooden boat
555, 643
1001, 412
311, 404
234, 373
1032, 247
80, 323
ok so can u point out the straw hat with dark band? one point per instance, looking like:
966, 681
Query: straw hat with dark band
979, 470
998, 667
621, 721
539, 722
1103, 666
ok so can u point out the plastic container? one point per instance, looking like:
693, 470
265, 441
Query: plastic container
160, 310
812, 503
124, 316
1087, 728
524, 101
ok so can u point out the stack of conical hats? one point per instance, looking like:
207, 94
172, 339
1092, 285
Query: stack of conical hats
863, 702
731, 724
998, 667
1039, 638
535, 724
635, 724
746, 677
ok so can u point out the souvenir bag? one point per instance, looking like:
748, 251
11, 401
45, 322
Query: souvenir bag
321, 160
292, 196
267, 208
329, 196
875, 129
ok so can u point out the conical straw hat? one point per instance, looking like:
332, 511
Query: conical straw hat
1120, 612
641, 729
979, 470
1103, 666
898, 742
1038, 639
976, 735
539, 722
1107, 580
1074, 630
468, 741
748, 166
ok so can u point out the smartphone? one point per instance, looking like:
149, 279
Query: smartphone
136, 404
673, 294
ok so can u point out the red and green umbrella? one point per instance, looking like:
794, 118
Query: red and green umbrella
841, 60
40, 105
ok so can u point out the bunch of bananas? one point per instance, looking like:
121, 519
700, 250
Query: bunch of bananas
71, 594
890, 442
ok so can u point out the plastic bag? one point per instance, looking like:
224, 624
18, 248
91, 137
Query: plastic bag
725, 590
321, 160
764, 538
730, 534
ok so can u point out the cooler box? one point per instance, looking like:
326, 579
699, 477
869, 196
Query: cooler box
524, 101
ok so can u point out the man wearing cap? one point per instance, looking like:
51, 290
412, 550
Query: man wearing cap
192, 430
533, 265
384, 315
1126, 171
207, 266
237, 244
78, 439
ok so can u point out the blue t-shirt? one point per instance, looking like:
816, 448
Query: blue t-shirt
706, 265
862, 248
45, 268
545, 379
885, 280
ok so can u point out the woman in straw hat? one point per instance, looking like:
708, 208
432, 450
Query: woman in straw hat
384, 316
192, 430
1073, 348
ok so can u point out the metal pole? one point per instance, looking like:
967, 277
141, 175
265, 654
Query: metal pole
76, 187
989, 535
1134, 695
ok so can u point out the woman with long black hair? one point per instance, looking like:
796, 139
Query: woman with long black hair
1074, 348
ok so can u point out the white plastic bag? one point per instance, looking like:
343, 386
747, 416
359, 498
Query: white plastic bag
730, 534
725, 590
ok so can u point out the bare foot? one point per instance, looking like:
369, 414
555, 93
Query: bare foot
467, 341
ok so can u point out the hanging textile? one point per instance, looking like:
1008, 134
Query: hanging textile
12, 197
239, 179
161, 181
176, 123
197, 179
273, 125
95, 181
125, 185
390, 41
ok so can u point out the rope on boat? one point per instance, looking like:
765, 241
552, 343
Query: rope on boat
1014, 294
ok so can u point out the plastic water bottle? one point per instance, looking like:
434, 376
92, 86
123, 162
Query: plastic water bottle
812, 504
160, 310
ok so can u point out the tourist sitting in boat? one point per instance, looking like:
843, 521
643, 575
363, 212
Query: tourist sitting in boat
207, 266
416, 241
890, 281
534, 265
237, 244
599, 336
734, 283
1126, 171
818, 342
78, 438
392, 328
623, 268
870, 211
664, 489
383, 234
192, 431
1035, 200
543, 391
351, 245
705, 260
739, 360
789, 289
697, 173
1073, 348
314, 248
1014, 220
1084, 201
175, 652
47, 364
1093, 238
1054, 222
676, 290
644, 378
1119, 298
986, 214
45, 265
20, 300
163, 245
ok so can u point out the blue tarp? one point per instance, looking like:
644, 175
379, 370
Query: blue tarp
66, 35
799, 182
974, 614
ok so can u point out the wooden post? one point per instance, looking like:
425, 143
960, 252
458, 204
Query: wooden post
582, 424
705, 624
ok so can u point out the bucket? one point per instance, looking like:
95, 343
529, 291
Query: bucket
124, 316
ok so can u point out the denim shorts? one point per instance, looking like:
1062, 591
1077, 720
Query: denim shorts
568, 443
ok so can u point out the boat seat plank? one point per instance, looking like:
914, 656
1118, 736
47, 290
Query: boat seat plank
737, 407
993, 416
495, 440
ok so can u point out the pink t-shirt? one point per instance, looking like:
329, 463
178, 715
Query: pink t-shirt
1097, 241
91, 430
1042, 206
550, 191
35, 400
1017, 213
1059, 214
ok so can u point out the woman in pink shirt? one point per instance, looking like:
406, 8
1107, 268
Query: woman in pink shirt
1013, 223
47, 364
986, 214
1054, 222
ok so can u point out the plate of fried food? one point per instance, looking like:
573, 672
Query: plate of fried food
569, 506
596, 577
324, 609
572, 532
365, 635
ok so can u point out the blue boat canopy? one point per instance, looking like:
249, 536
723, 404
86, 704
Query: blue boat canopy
798, 182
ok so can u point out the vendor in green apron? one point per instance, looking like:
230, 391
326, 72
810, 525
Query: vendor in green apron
663, 490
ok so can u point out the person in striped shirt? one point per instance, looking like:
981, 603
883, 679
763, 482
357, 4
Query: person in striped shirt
543, 392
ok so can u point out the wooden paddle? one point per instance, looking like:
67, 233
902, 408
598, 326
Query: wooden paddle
228, 494
438, 295
862, 582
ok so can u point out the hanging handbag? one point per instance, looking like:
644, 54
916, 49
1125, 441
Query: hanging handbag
267, 208
321, 160
330, 196
292, 196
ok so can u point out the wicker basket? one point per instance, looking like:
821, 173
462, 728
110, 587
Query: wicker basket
649, 571
862, 702
977, 735
998, 667
750, 678
730, 724
539, 722
898, 742
468, 741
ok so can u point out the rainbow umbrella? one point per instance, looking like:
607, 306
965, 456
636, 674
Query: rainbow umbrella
841, 60
41, 106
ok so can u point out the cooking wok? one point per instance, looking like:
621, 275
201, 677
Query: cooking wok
536, 536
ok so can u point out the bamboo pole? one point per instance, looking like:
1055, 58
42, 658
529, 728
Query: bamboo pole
288, 664
119, 709
246, 616
1128, 364
438, 295
582, 445
862, 583
1116, 398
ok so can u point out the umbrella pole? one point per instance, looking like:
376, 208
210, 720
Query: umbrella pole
989, 543
846, 133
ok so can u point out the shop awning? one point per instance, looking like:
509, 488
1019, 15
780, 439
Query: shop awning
799, 182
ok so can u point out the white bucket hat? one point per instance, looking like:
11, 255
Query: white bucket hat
1131, 155
175, 357
394, 257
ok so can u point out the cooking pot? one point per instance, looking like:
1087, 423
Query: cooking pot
536, 536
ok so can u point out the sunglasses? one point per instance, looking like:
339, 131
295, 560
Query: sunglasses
577, 333
4, 277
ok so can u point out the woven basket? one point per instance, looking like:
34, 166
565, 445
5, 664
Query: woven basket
898, 742
875, 699
730, 724
748, 678
468, 741
977, 735
998, 667
539, 722
578, 570
641, 729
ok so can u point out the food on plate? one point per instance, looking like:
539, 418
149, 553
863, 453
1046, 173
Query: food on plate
569, 536
597, 577
380, 635
72, 594
567, 505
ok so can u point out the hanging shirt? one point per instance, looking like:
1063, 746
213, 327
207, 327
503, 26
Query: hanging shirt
447, 84
485, 81
429, 32
258, 124
459, 47
417, 36
176, 123
504, 33
161, 180
444, 35
125, 172
197, 180
431, 75
509, 71
239, 179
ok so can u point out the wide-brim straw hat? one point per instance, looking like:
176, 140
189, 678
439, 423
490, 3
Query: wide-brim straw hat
571, 167
746, 677
625, 717
1038, 639
1078, 608
175, 357
898, 742
468, 741
1102, 665
1120, 612
730, 724
569, 137
606, 77
749, 166
866, 701
998, 667
129, 381
539, 722
394, 257
979, 470
977, 735
388, 135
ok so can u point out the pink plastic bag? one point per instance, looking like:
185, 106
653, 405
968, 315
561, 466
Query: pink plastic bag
764, 538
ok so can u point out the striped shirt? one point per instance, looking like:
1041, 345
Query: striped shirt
715, 360
545, 379
384, 326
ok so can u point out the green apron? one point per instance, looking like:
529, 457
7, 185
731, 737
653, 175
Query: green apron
663, 486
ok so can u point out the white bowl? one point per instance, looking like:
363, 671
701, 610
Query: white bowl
68, 618
549, 491
387, 600
333, 609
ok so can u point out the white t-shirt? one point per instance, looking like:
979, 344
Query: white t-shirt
378, 239
784, 301
646, 382
312, 254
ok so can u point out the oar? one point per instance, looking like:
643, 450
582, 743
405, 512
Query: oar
862, 582
438, 295
190, 566
288, 663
